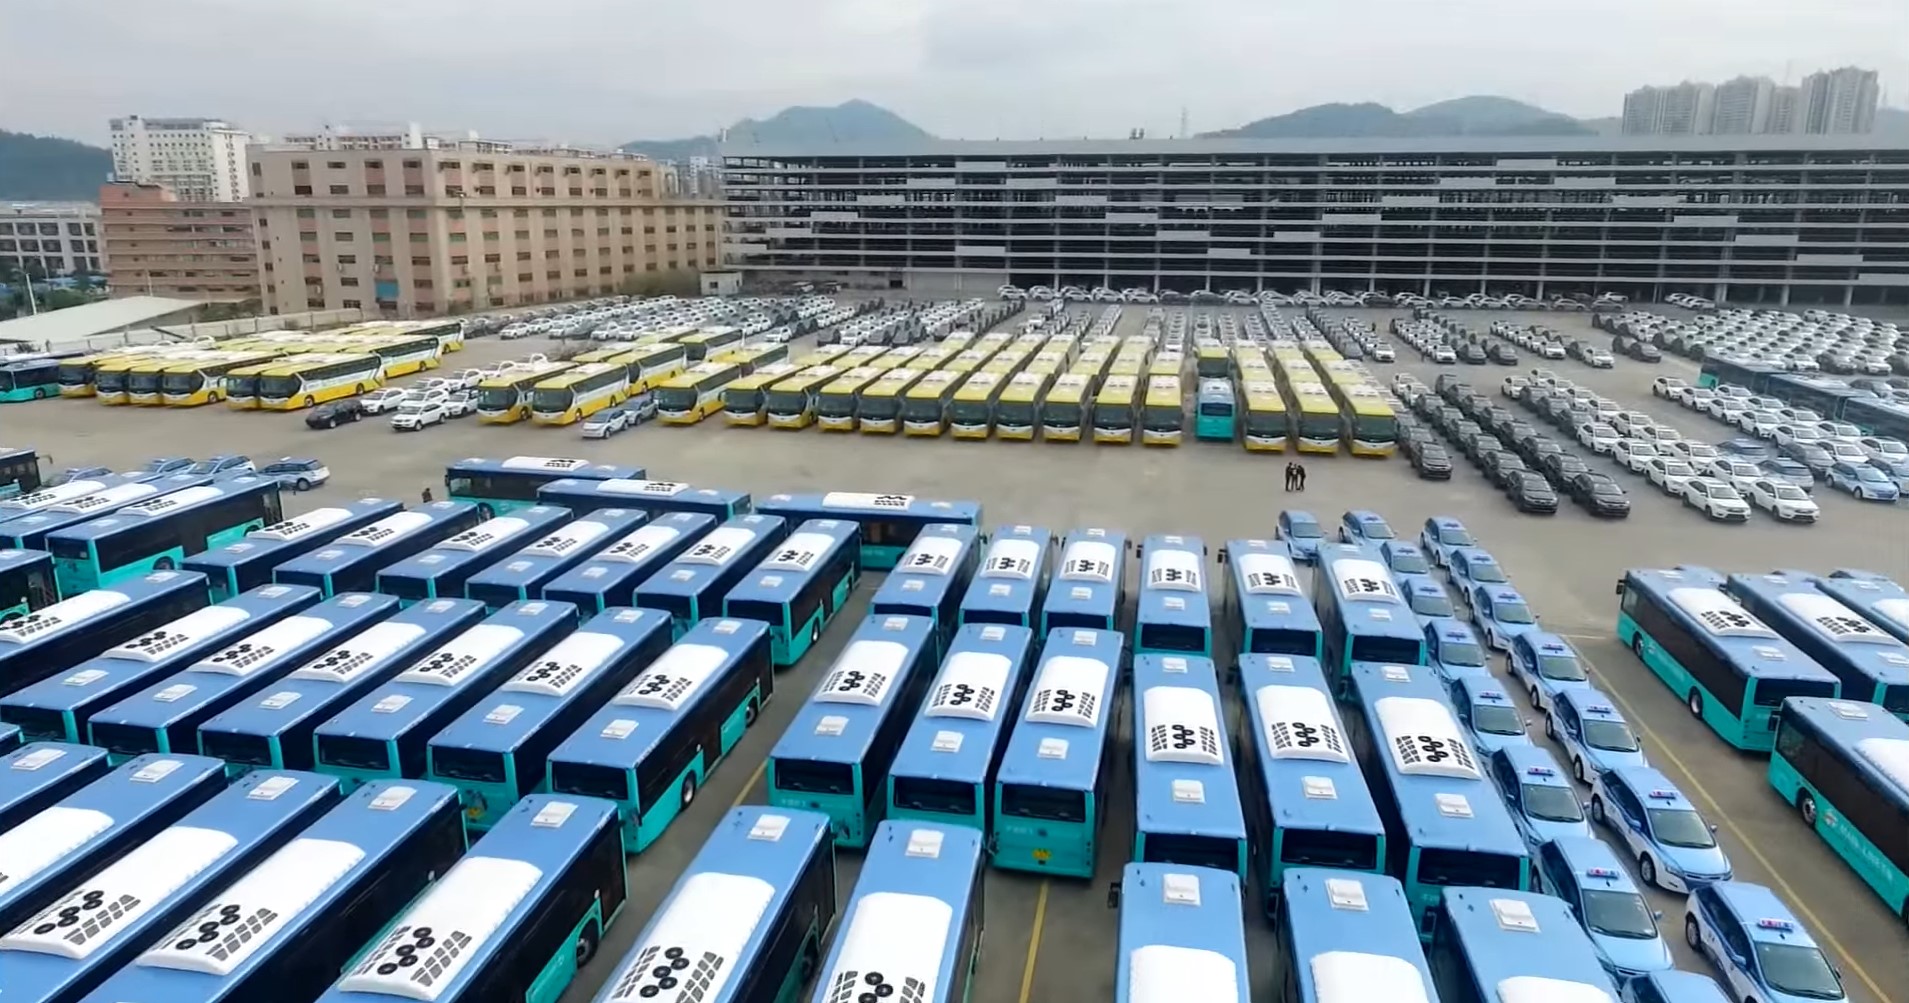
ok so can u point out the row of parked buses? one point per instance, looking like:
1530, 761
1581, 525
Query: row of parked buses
683, 369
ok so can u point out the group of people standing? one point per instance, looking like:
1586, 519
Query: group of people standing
1295, 477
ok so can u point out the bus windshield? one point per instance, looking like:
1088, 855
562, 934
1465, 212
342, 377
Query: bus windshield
551, 400
881, 408
743, 400
835, 405
181, 383
1015, 412
921, 409
1113, 416
1618, 914
1164, 419
1061, 414
968, 412
676, 398
243, 386
1375, 426
145, 382
1464, 867
1318, 425
275, 386
1266, 422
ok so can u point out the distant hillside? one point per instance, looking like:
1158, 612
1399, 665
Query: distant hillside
850, 121
43, 168
1479, 115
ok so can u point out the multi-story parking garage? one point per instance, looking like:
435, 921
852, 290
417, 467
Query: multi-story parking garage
1761, 219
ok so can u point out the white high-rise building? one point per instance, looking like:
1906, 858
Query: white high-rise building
1681, 109
1841, 101
1786, 111
200, 159
1742, 106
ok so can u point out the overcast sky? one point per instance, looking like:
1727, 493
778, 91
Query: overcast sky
605, 71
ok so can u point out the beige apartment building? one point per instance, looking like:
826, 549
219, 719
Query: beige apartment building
469, 226
158, 245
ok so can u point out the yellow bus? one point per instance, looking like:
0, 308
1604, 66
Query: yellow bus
242, 384
791, 402
993, 341
971, 414
570, 397
202, 381
1321, 353
1017, 411
144, 375
752, 357
1093, 364
837, 402
880, 410
77, 376
505, 399
596, 355
112, 378
1008, 361
956, 341
449, 333
1032, 341
708, 341
820, 355
899, 357
1052, 364
650, 365
1163, 415
1268, 424
309, 380
1114, 407
924, 408
859, 356
965, 362
1317, 424
933, 357
743, 399
1063, 410
1371, 428
1212, 360
1167, 364
404, 354
695, 393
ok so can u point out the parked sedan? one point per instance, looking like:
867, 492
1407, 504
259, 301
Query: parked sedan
1635, 455
1716, 500
335, 414
1600, 495
1785, 501
605, 423
297, 474
1863, 482
1787, 471
380, 401
1812, 456
1597, 437
1530, 492
1498, 466
224, 465
1559, 468
1669, 474
1432, 462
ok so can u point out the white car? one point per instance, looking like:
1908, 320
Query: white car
1788, 433
1784, 500
1631, 422
1599, 438
1667, 387
467, 379
1695, 453
1725, 408
1659, 434
1551, 350
1761, 424
1845, 451
1716, 500
1694, 397
415, 415
1839, 430
1669, 473
1443, 355
1634, 454
380, 401
1736, 473
461, 404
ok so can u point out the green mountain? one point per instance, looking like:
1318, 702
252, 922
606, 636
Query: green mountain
850, 121
45, 168
1479, 115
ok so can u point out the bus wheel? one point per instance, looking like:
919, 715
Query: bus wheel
163, 564
1637, 646
689, 789
1806, 807
749, 713
310, 401
815, 634
360, 390
1696, 704
586, 946
39, 393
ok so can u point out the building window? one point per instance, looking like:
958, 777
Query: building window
374, 165
350, 304
300, 165
523, 255
414, 189
414, 214
460, 259
340, 189
380, 213
421, 260
491, 259
523, 276
341, 214
301, 189
420, 238
413, 164
380, 237
308, 235
649, 229
458, 237
374, 189
342, 235
311, 259
424, 307
649, 266
347, 280
347, 259
522, 234
307, 213
421, 284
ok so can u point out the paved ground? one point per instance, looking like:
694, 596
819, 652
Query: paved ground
1054, 941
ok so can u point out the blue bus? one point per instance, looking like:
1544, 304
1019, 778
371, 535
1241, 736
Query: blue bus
247, 563
1728, 667
889, 523
1445, 820
70, 841
286, 927
1514, 947
102, 921
835, 756
1305, 799
1214, 417
944, 770
653, 746
276, 729
523, 913
1173, 615
913, 924
609, 578
1090, 587
382, 734
11, 737
49, 496
523, 575
931, 578
441, 571
1351, 936
157, 534
1264, 607
1844, 765
1880, 600
1011, 583
800, 586
1361, 613
1181, 935
757, 902
1049, 798
27, 582
55, 638
654, 497
58, 708
692, 586
165, 714
34, 776
497, 751
351, 562
28, 532
1868, 661
497, 487
1186, 794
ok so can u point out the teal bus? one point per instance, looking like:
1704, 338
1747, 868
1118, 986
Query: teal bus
890, 523
351, 562
1050, 795
914, 920
931, 579
1173, 615
762, 891
248, 563
1870, 662
651, 747
523, 575
37, 775
158, 534
518, 918
19, 471
29, 531
610, 577
945, 768
1263, 606
441, 571
692, 586
1362, 614
27, 583
1729, 668
1346, 936
800, 586
53, 639
1182, 936
30, 381
1216, 410
1186, 793
582, 495
1011, 582
498, 486
835, 755
1844, 766
496, 752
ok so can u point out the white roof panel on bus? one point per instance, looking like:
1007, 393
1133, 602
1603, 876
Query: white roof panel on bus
1893, 610
1089, 561
1011, 558
720, 547
118, 494
1182, 726
62, 614
895, 938
256, 651
117, 897
445, 928
1300, 724
673, 678
1889, 755
652, 489
567, 666
973, 686
246, 916
1162, 973
863, 673
1362, 579
568, 539
462, 655
301, 526
1537, 989
394, 525
800, 552
486, 535
46, 837
53, 495
1357, 977
1176, 570
1423, 738
857, 499
640, 544
552, 464
707, 924
370, 649
1719, 613
178, 499
931, 555
1070, 690
1268, 573
1834, 620
188, 630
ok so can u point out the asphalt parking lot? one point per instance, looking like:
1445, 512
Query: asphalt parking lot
1054, 941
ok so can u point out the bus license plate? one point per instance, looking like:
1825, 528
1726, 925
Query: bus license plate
1043, 856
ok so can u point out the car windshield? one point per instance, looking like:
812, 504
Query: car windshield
411, 409
283, 468
1497, 719
1552, 803
1603, 432
1373, 529
1304, 530
1643, 449
1484, 572
1868, 474
1611, 736
1455, 536
1723, 492
1798, 969
1788, 492
1434, 603
1618, 914
1510, 611
1805, 434
1676, 468
1681, 827
1893, 450
1409, 563
1563, 668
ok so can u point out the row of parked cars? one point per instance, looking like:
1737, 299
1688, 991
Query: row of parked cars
1446, 342
1812, 341
1868, 467
1352, 337
294, 472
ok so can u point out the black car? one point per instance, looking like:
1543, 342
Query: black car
1471, 354
1534, 448
1476, 444
1447, 384
1411, 442
1530, 493
1644, 351
335, 414
1501, 353
1432, 462
1562, 466
1517, 430
1599, 494
1499, 465
1556, 411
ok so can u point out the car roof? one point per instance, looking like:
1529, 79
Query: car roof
1444, 522
1528, 757
1298, 515
1474, 555
1545, 642
1590, 700
1590, 857
1364, 515
1400, 545
1478, 687
1452, 630
1501, 593
1650, 785
1752, 904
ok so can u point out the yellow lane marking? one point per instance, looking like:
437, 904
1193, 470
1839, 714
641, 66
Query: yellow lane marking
1034, 942
743, 794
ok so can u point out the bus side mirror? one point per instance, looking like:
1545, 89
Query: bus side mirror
1620, 588
1222, 557
1113, 894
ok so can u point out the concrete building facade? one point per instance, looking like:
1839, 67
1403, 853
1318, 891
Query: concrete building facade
1742, 106
1839, 102
1745, 218
466, 226
1684, 109
161, 245
52, 238
200, 159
